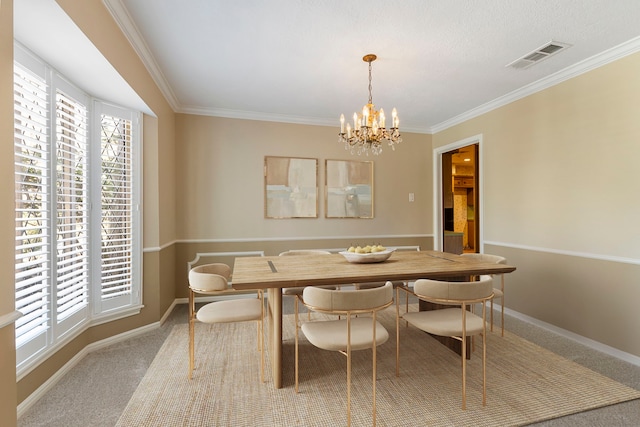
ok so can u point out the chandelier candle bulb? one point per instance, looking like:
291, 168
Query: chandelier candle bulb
369, 129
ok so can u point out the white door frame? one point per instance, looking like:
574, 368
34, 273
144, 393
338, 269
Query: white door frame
437, 189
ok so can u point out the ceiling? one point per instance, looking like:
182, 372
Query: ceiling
301, 61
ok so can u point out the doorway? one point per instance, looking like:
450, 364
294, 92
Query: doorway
457, 196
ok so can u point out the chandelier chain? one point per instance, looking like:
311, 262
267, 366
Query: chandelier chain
370, 86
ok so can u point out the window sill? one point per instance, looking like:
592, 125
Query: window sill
116, 315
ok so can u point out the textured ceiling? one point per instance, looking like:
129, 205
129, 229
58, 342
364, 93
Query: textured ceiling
301, 61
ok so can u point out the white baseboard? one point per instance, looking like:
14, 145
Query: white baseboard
166, 314
595, 345
47, 385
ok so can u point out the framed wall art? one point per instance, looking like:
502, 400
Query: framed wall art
290, 187
348, 189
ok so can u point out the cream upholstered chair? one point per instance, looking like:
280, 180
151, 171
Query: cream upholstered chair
372, 285
456, 322
349, 333
213, 279
497, 292
292, 292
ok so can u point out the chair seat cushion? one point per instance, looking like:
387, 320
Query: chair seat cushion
237, 310
444, 322
332, 334
497, 293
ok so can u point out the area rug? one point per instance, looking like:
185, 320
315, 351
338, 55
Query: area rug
525, 383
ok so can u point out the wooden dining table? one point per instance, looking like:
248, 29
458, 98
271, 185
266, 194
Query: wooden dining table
274, 273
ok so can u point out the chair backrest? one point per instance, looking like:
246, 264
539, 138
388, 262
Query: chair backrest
209, 277
348, 300
497, 259
304, 252
437, 290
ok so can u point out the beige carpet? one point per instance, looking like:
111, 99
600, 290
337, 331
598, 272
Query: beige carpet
525, 384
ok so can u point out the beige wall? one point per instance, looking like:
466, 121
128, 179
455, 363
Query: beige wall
220, 166
560, 184
7, 223
220, 169
594, 298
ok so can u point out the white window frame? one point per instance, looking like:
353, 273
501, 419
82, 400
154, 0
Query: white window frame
76, 320
105, 310
31, 353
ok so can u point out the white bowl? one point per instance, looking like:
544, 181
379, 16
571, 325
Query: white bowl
367, 258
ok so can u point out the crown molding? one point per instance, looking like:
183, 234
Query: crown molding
596, 61
255, 115
270, 117
131, 32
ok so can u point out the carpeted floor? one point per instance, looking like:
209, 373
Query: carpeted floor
526, 384
96, 391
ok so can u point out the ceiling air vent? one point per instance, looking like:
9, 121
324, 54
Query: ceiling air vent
543, 52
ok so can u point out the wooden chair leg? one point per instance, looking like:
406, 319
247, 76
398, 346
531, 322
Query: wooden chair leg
406, 301
484, 357
296, 343
375, 364
398, 331
464, 371
492, 313
191, 347
502, 303
191, 333
261, 337
348, 370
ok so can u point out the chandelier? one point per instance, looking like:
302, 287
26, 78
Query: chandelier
369, 130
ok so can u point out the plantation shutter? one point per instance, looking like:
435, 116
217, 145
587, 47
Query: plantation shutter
32, 181
72, 210
77, 219
117, 208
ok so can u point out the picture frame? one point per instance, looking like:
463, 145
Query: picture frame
349, 189
290, 187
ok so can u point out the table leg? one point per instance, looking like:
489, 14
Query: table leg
274, 316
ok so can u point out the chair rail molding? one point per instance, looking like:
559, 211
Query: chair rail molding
199, 255
9, 318
589, 255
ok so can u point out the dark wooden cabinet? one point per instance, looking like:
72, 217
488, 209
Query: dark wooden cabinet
463, 181
453, 242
